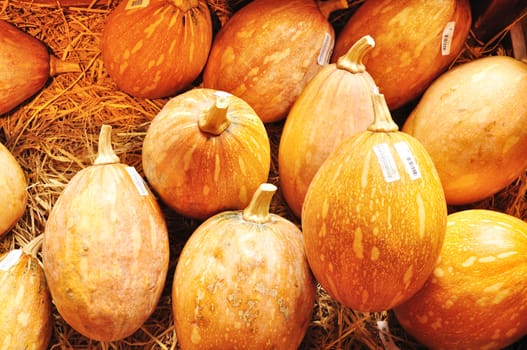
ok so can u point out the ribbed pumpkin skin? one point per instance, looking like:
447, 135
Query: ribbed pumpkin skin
408, 35
157, 50
13, 192
334, 105
372, 244
105, 253
473, 122
198, 174
267, 52
24, 66
242, 285
26, 304
477, 296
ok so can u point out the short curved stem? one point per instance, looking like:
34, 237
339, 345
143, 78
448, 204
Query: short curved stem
258, 209
105, 153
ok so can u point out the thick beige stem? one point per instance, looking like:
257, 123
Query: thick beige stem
329, 6
57, 66
382, 120
105, 153
352, 61
214, 121
33, 246
258, 210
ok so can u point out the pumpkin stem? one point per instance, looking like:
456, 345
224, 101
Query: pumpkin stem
33, 246
329, 6
185, 5
258, 210
214, 121
352, 60
57, 66
382, 120
105, 154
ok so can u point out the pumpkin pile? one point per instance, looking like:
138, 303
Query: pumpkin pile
259, 175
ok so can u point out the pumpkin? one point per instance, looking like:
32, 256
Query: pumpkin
13, 192
206, 151
415, 41
268, 51
374, 217
105, 249
335, 104
24, 296
156, 48
242, 281
25, 66
477, 295
473, 122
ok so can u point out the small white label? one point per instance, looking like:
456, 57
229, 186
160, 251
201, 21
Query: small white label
138, 180
386, 161
10, 259
326, 50
407, 157
386, 338
135, 4
448, 36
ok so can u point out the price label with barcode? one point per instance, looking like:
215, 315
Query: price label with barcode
387, 162
407, 157
446, 39
135, 4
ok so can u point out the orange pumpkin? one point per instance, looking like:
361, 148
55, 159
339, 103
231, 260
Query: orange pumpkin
13, 192
25, 66
477, 295
335, 104
105, 249
206, 151
242, 282
415, 42
156, 48
473, 122
268, 51
24, 296
374, 217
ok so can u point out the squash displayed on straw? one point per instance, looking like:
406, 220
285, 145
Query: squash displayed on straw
25, 66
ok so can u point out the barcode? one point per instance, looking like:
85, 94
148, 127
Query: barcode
137, 180
407, 157
386, 161
446, 39
133, 4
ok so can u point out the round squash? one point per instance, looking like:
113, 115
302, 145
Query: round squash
206, 151
25, 66
242, 281
473, 122
156, 48
24, 296
105, 249
477, 295
13, 190
268, 51
335, 104
374, 217
415, 41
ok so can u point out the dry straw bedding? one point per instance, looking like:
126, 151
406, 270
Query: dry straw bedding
54, 135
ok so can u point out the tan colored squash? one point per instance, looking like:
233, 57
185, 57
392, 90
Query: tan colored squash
477, 295
105, 249
410, 36
26, 304
334, 105
268, 51
13, 190
374, 217
205, 152
473, 122
242, 281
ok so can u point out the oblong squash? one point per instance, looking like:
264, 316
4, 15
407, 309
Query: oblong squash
415, 41
476, 297
473, 122
374, 217
105, 249
334, 105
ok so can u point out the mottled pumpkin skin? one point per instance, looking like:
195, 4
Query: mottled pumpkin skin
242, 285
198, 174
159, 49
371, 243
477, 295
26, 304
267, 52
13, 190
408, 35
24, 66
105, 253
473, 122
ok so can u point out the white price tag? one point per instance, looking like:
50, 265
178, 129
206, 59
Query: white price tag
387, 163
446, 39
326, 50
408, 159
135, 4
138, 181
